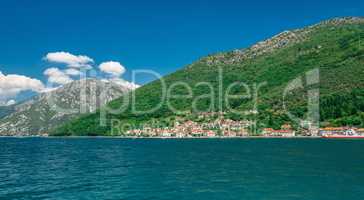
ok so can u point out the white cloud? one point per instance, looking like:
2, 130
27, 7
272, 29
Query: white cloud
12, 84
69, 59
50, 89
57, 76
124, 83
72, 72
112, 68
10, 102
115, 69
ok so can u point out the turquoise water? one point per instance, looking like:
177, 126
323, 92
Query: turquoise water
256, 169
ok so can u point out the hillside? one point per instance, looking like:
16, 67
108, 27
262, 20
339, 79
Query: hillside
334, 47
6, 110
48, 110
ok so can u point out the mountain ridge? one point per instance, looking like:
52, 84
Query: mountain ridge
281, 40
40, 114
332, 46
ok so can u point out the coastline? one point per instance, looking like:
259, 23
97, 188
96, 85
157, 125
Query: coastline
182, 138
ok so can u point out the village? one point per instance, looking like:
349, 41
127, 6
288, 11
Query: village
213, 124
210, 127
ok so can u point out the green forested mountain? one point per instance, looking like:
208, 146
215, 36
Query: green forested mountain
334, 47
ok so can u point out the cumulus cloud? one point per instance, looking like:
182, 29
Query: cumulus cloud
124, 83
10, 102
115, 70
112, 68
69, 59
50, 89
12, 84
72, 72
57, 76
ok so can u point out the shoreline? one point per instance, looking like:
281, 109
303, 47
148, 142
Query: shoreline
182, 138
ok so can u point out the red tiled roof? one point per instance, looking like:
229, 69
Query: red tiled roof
282, 131
333, 129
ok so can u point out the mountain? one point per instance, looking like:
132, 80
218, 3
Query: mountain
44, 112
334, 48
6, 110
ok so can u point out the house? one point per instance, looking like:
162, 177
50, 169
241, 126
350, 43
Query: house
286, 127
278, 133
180, 135
332, 131
229, 133
242, 132
210, 133
360, 131
267, 131
134, 132
165, 133
197, 132
283, 133
350, 131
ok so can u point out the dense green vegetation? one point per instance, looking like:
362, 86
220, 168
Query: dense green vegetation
335, 49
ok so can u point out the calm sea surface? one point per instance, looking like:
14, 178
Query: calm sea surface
267, 169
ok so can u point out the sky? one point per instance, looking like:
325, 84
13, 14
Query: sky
158, 35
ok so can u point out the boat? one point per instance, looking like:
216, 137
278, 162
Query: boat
342, 133
343, 136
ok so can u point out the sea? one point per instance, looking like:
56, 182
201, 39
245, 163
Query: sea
174, 169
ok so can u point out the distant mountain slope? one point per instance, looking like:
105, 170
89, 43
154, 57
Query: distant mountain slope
335, 47
6, 110
41, 114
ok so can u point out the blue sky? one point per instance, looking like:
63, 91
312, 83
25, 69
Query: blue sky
157, 35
